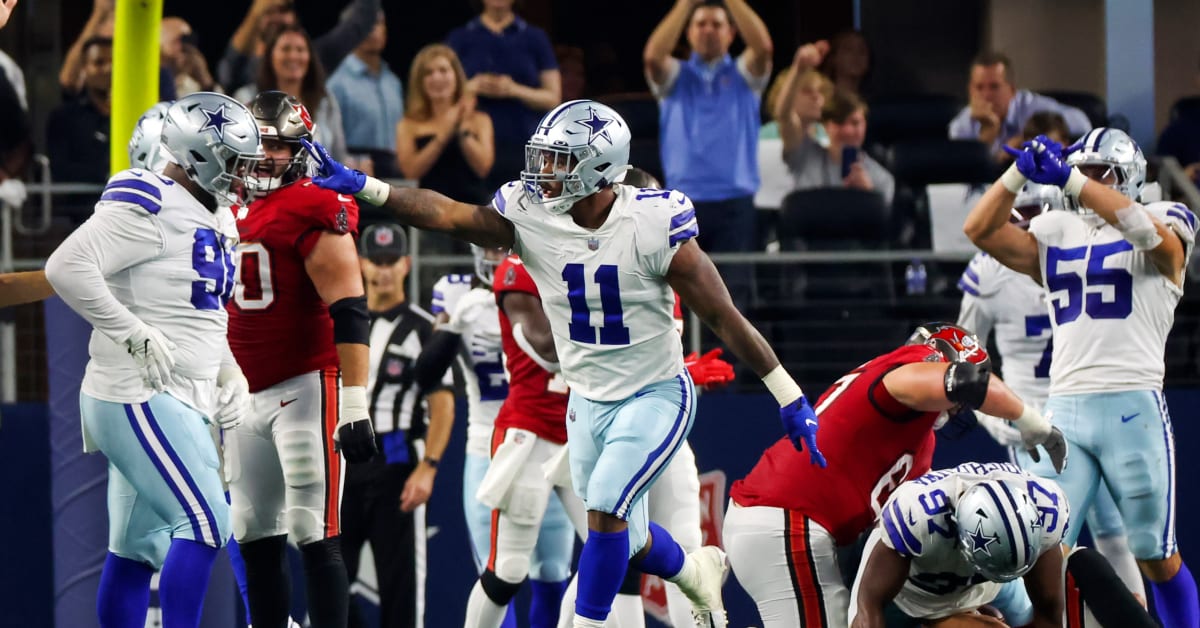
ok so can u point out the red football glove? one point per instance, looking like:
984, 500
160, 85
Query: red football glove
709, 370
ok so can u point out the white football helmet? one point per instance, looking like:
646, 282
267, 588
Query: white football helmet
1033, 200
145, 146
1113, 158
487, 260
581, 145
999, 530
216, 141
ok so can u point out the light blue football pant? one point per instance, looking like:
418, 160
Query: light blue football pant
1124, 438
163, 478
1013, 602
1103, 518
618, 449
551, 560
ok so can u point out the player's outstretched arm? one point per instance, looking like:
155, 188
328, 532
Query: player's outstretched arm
693, 275
1140, 228
987, 226
881, 581
423, 209
1044, 583
25, 287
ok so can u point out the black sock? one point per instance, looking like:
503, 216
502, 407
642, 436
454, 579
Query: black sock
268, 583
328, 585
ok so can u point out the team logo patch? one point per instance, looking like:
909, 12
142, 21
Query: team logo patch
302, 111
343, 220
519, 438
593, 244
510, 277
571, 415
395, 367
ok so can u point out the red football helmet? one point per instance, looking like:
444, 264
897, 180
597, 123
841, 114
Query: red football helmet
952, 341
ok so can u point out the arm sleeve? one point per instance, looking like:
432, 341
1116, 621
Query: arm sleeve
432, 366
347, 34
116, 237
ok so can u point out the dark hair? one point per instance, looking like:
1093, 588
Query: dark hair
1045, 123
719, 4
639, 178
96, 41
991, 57
842, 105
477, 5
312, 89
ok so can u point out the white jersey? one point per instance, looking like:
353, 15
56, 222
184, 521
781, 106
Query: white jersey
151, 253
604, 290
940, 580
483, 372
1110, 306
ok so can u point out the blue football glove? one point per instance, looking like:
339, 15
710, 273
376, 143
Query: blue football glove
331, 174
1049, 165
800, 423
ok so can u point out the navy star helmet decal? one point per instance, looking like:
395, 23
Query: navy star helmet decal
216, 121
597, 126
981, 541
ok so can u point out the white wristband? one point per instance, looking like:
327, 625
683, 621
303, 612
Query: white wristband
785, 389
1013, 180
1074, 185
374, 191
354, 405
1031, 422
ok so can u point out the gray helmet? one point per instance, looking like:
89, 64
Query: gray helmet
1033, 200
215, 140
1116, 150
998, 529
145, 146
586, 145
284, 118
487, 260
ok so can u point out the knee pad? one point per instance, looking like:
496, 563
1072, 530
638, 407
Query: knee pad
305, 525
498, 590
632, 585
511, 568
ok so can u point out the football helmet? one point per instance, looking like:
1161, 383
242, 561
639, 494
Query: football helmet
1111, 157
487, 260
582, 146
1033, 200
215, 140
284, 118
953, 342
145, 146
999, 532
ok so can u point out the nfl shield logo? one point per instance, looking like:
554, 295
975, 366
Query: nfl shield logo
384, 237
571, 414
510, 277
593, 244
519, 437
394, 368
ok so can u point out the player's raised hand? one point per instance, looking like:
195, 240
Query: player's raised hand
331, 174
800, 423
1049, 166
709, 370
151, 352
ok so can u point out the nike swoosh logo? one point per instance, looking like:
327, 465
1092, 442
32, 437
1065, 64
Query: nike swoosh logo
284, 404
810, 422
1126, 419
343, 198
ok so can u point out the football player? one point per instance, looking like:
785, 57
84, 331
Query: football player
298, 314
152, 270
786, 520
1113, 273
605, 258
998, 298
953, 540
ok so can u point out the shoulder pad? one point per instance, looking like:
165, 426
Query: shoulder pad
901, 522
448, 290
1175, 215
665, 218
512, 276
137, 187
329, 210
981, 277
504, 197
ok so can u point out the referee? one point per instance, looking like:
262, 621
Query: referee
384, 499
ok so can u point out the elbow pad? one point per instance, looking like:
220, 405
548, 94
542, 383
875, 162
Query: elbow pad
1135, 224
967, 383
351, 322
437, 354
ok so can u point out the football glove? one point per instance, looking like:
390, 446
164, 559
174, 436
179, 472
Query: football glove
1037, 430
233, 398
709, 370
331, 174
151, 351
355, 437
1043, 160
800, 423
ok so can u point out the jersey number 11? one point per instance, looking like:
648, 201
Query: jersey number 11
613, 331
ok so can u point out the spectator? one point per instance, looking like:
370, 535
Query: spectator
294, 70
77, 131
183, 59
512, 70
71, 76
573, 70
709, 119
372, 102
1048, 123
239, 65
802, 95
998, 110
1181, 139
442, 139
848, 62
814, 166
6, 9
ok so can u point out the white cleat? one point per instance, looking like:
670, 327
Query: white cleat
708, 609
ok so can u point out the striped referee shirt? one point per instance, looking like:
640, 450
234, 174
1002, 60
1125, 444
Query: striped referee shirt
397, 336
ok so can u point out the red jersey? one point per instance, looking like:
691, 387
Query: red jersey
537, 398
873, 443
278, 325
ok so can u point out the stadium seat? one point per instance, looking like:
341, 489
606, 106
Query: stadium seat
901, 117
1090, 104
1186, 107
920, 162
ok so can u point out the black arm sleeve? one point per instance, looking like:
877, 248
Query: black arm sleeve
1108, 598
351, 321
437, 355
967, 383
342, 39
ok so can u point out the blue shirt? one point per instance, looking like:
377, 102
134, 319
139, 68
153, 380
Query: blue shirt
708, 129
1024, 104
521, 51
371, 104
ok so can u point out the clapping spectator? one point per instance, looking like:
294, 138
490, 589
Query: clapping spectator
183, 59
512, 69
240, 63
847, 62
372, 101
998, 110
77, 132
443, 140
292, 68
815, 166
